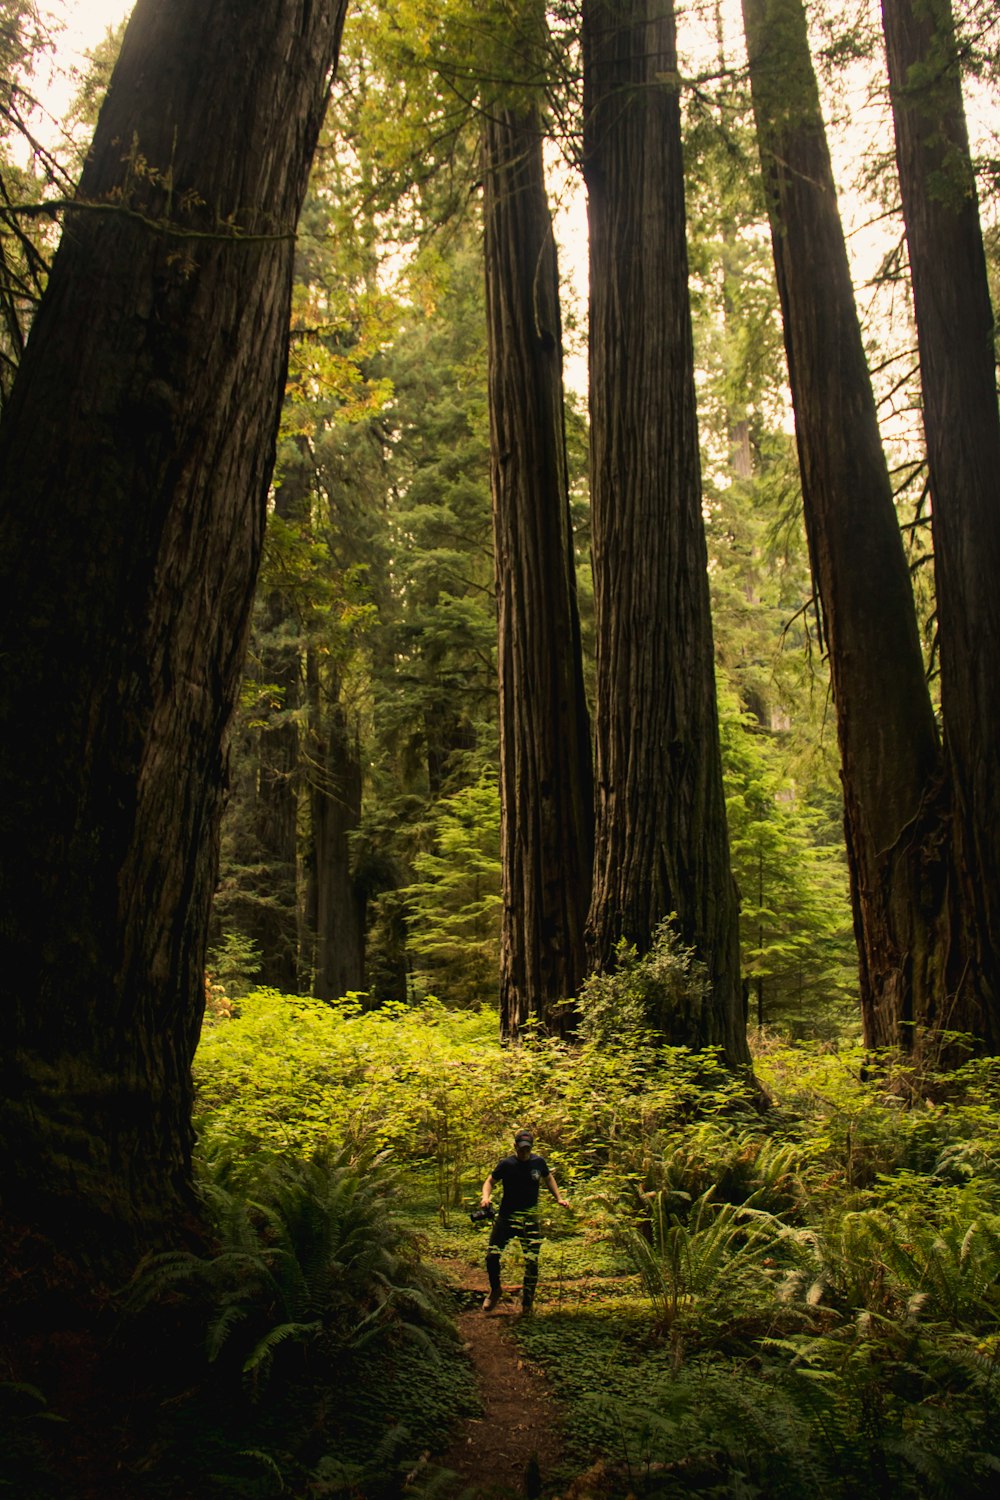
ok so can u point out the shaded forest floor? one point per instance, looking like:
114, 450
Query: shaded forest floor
518, 1444
515, 1446
800, 1303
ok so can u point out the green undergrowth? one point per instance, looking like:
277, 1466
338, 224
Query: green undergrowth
741, 1302
314, 1350
438, 1090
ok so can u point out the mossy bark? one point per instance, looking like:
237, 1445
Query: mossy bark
135, 453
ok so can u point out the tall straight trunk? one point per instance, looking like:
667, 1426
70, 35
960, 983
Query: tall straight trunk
335, 904
266, 903
955, 330
896, 812
737, 419
272, 920
545, 771
661, 839
135, 455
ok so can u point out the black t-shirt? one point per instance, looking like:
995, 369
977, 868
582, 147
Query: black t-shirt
521, 1181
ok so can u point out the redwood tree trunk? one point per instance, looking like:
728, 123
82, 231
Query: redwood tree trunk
545, 772
135, 456
661, 839
896, 811
260, 830
272, 920
956, 330
335, 904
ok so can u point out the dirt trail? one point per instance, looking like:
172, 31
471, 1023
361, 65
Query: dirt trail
514, 1447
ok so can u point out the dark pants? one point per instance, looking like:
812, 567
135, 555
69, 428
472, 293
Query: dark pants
525, 1229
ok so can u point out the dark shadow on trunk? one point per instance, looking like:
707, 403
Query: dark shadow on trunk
661, 840
545, 772
897, 797
956, 331
136, 452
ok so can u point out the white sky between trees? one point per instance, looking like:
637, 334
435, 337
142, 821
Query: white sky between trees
857, 124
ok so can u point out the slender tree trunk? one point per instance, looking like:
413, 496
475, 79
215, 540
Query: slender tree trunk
956, 329
261, 827
661, 839
335, 904
737, 420
896, 811
272, 921
545, 773
135, 455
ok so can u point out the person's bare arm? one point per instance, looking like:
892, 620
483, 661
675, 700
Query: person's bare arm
487, 1191
553, 1188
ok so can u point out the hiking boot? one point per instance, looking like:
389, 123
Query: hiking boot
490, 1301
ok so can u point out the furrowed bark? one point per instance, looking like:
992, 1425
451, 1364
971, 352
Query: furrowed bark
956, 333
545, 770
661, 838
135, 456
896, 792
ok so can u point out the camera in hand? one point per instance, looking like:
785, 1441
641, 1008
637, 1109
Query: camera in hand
481, 1215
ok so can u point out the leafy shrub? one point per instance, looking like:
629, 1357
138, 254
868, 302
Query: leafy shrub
437, 1088
864, 1121
314, 1260
661, 994
704, 1259
293, 1075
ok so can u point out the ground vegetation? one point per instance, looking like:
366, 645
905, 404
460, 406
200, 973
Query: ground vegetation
780, 1301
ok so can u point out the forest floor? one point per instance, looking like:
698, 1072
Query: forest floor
514, 1447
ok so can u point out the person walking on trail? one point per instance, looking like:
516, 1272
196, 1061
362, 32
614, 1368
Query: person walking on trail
521, 1176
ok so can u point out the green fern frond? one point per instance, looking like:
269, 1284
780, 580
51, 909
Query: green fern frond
260, 1357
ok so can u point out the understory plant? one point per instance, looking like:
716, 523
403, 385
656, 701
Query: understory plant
708, 1258
311, 1257
787, 1302
647, 995
311, 1328
868, 1263
437, 1088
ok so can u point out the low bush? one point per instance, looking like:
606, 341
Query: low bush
775, 1302
317, 1342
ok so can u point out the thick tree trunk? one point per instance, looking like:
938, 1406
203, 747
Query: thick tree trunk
135, 456
955, 328
545, 772
896, 809
661, 839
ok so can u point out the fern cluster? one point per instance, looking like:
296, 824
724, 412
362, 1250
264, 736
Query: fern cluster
796, 1301
311, 1316
821, 1293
